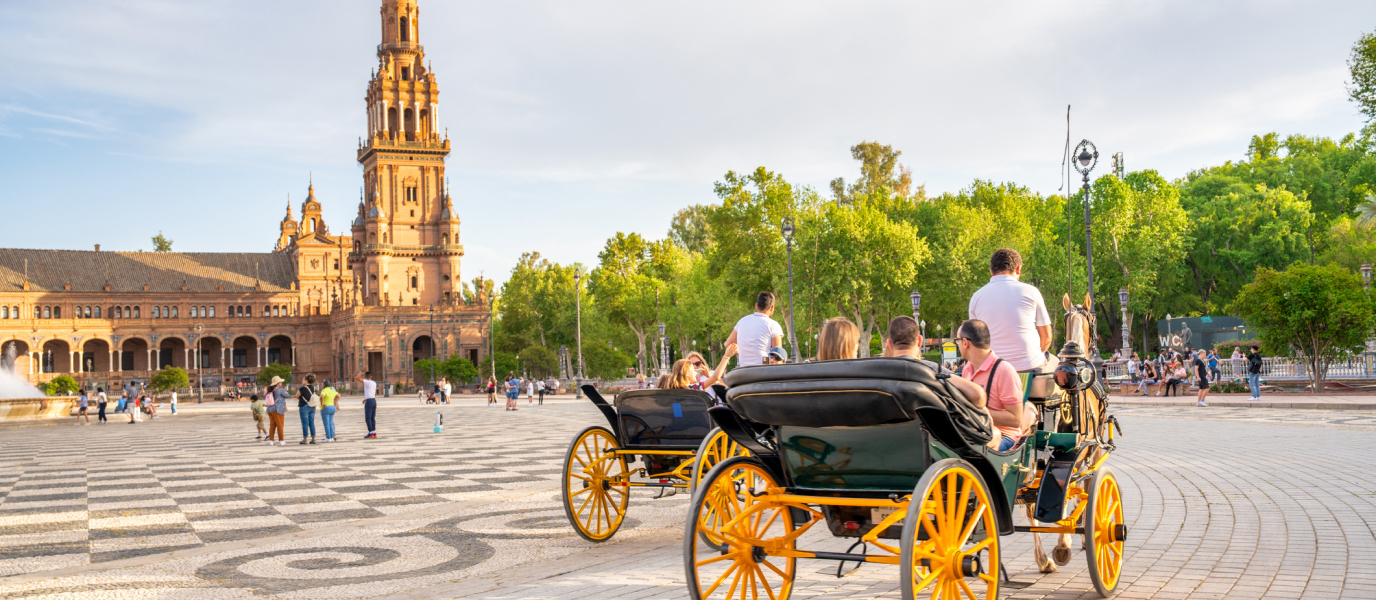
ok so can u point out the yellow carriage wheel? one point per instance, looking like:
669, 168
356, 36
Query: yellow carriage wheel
731, 562
950, 542
1105, 531
715, 448
595, 490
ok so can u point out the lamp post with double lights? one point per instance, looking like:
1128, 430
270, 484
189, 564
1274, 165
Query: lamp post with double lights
1123, 301
787, 229
433, 385
1086, 157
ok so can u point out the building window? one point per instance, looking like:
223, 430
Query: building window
47, 312
174, 312
97, 312
212, 312
15, 312
336, 264
414, 284
88, 312
37, 312
267, 311
116, 313
276, 311
4, 312
157, 312
136, 312
411, 197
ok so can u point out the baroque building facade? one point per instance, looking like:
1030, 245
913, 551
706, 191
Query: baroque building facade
376, 298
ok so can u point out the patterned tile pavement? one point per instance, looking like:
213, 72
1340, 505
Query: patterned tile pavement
1223, 503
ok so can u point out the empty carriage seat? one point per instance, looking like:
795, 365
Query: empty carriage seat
837, 393
663, 418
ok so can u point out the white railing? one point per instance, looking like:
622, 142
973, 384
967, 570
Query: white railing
1355, 367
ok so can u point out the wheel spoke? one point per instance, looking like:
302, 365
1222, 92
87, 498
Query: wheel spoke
949, 502
734, 582
980, 546
771, 566
759, 574
965, 587
727, 556
721, 579
588, 489
926, 581
970, 527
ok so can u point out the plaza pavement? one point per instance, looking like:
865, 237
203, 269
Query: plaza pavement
1222, 503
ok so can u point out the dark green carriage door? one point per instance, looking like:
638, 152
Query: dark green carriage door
880, 457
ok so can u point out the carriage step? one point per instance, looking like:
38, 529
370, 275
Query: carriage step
1044, 529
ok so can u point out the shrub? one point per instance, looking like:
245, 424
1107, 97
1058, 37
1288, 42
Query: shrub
62, 385
274, 370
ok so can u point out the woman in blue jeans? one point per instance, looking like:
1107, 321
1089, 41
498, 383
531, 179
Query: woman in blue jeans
306, 402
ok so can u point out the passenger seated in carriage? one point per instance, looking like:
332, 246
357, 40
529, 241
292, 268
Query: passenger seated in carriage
838, 340
1000, 380
905, 341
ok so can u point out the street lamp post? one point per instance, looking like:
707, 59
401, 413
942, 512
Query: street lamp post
578, 306
788, 241
1087, 156
917, 304
1366, 278
1123, 301
663, 350
432, 346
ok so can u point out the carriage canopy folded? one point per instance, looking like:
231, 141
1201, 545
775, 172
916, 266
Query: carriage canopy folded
838, 393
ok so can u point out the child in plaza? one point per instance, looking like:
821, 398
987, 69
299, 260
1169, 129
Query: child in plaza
260, 415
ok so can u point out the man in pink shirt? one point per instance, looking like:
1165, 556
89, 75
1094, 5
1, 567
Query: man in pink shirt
999, 379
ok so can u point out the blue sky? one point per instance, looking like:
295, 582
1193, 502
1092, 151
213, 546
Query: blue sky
572, 121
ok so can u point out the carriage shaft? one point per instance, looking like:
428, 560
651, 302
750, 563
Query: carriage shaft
1048, 529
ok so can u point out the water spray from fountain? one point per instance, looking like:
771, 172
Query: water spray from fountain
11, 384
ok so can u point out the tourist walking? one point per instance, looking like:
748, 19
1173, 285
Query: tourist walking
306, 401
756, 333
1214, 372
513, 391
530, 393
131, 408
260, 416
173, 401
491, 390
328, 407
1254, 372
101, 401
540, 391
81, 405
1201, 375
275, 399
369, 403
1132, 368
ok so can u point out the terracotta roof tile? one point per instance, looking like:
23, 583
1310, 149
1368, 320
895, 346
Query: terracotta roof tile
91, 271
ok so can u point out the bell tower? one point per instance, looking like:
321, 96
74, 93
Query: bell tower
407, 249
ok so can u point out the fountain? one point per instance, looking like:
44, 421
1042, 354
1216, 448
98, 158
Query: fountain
21, 400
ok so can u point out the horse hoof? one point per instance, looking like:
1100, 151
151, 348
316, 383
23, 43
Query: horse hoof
1060, 555
1049, 567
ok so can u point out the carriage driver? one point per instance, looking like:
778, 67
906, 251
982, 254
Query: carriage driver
905, 340
1019, 325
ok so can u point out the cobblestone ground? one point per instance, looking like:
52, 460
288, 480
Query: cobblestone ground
1223, 503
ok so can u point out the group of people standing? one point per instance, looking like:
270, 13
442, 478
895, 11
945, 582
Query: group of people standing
512, 386
272, 409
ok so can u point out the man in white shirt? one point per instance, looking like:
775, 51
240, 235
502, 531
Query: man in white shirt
1015, 313
756, 333
369, 403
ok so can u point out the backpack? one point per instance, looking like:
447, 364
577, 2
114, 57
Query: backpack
314, 400
1254, 362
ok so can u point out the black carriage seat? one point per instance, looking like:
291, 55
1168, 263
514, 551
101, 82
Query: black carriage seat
836, 393
664, 419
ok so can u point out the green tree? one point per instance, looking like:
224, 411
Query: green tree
274, 370
689, 229
1350, 245
880, 174
602, 361
1319, 314
1362, 66
454, 369
631, 280
172, 378
62, 385
161, 244
1141, 232
538, 362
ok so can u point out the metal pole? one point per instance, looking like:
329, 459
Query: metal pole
578, 311
432, 345
1089, 241
792, 335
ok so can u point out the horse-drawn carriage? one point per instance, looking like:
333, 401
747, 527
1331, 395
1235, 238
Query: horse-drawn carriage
869, 448
667, 431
